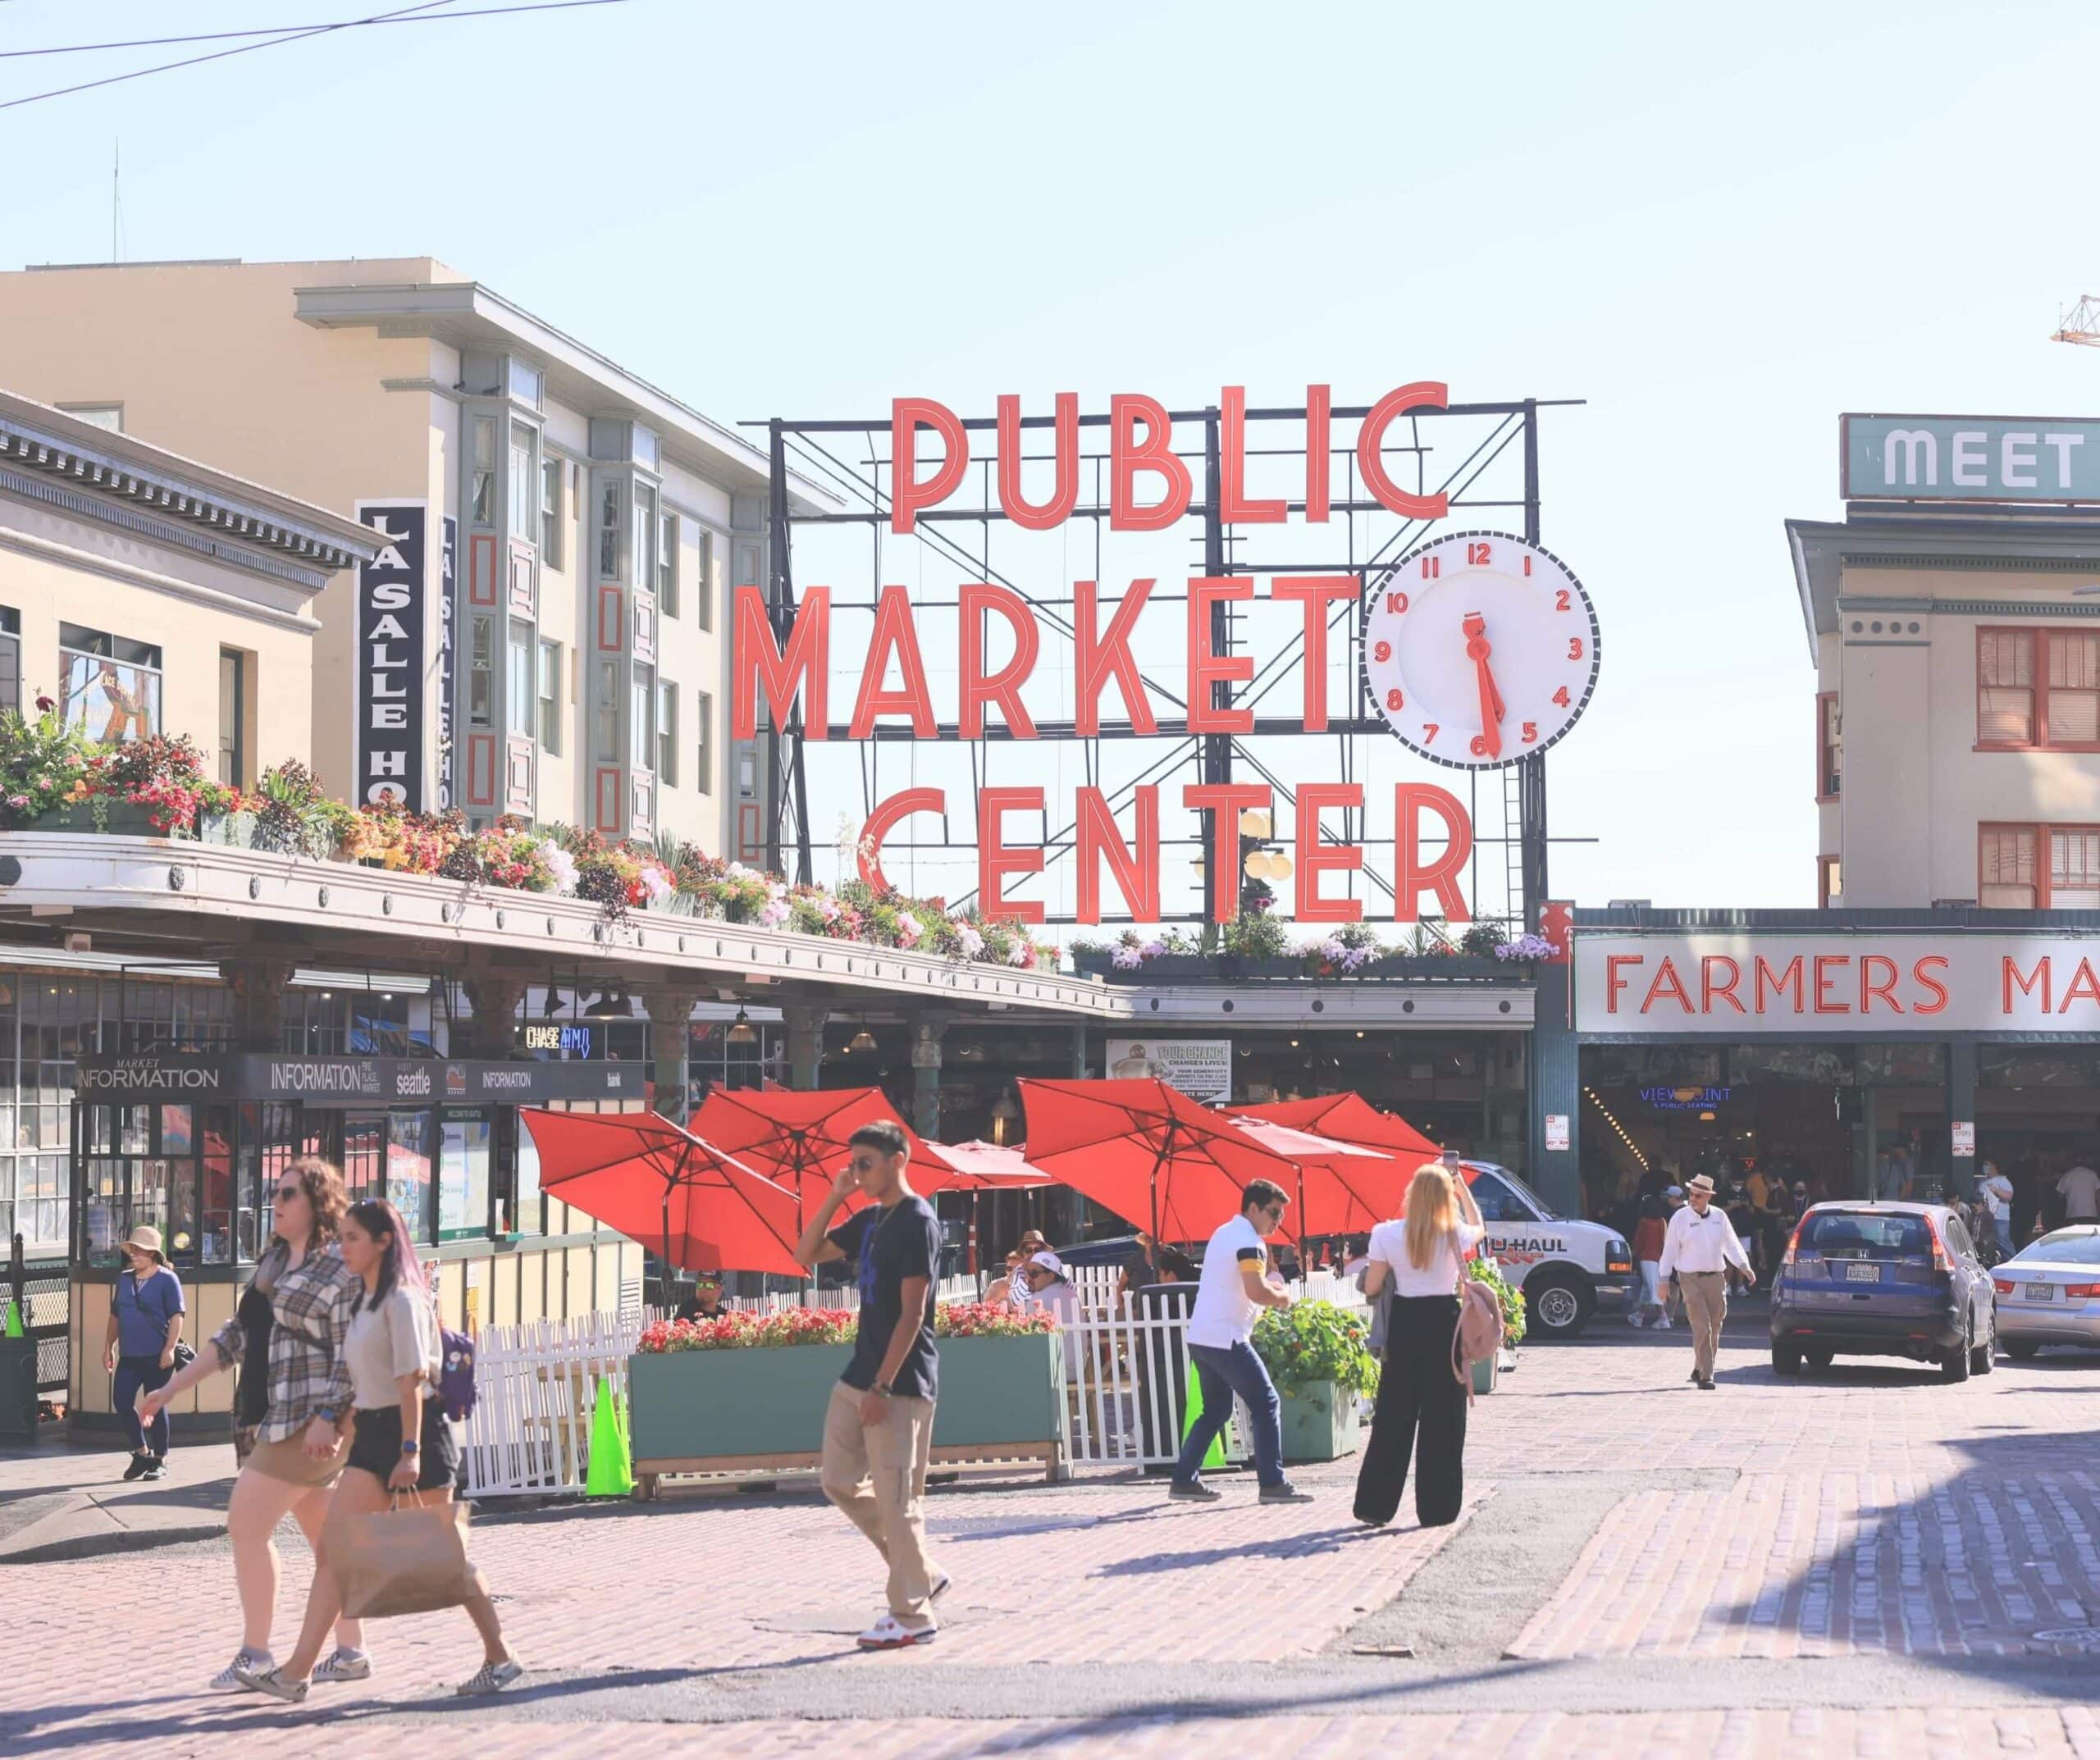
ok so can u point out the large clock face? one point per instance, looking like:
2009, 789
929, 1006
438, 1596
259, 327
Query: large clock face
1480, 649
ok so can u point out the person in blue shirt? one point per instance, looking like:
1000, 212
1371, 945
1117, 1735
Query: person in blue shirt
145, 1325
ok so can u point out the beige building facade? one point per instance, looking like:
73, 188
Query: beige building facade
576, 530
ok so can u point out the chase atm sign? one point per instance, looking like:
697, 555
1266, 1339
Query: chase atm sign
2043, 459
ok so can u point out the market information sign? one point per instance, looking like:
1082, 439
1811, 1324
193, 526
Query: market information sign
1995, 458
1731, 986
357, 1081
1202, 1068
390, 656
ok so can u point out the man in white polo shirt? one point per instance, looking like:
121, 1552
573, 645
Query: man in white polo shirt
1701, 1245
1230, 1294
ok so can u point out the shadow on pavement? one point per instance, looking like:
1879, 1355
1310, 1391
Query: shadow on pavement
1284, 1546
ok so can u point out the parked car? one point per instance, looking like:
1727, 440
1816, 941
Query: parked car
1564, 1268
2049, 1292
1873, 1279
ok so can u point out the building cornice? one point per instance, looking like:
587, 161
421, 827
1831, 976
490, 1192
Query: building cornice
111, 568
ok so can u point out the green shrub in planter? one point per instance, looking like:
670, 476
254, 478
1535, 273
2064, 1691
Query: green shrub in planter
1316, 1354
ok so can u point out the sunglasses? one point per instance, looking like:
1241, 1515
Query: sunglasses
286, 1194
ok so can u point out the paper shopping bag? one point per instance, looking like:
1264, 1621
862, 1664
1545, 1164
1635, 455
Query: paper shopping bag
410, 1558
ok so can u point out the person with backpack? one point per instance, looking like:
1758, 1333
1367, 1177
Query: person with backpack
1422, 1403
403, 1441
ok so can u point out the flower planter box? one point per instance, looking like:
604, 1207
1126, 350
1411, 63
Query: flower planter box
119, 819
1319, 1423
761, 1411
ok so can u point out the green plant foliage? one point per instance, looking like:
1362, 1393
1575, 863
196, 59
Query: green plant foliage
1316, 1341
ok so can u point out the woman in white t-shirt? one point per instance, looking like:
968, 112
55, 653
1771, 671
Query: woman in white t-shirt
1421, 1404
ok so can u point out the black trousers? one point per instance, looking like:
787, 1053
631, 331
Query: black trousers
1421, 1412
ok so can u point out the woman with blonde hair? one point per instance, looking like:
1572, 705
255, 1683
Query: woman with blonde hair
1421, 1404
287, 1339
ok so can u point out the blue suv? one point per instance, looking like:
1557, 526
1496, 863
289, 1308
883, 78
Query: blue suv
1868, 1279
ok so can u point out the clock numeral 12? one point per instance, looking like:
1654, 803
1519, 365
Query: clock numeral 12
1476, 555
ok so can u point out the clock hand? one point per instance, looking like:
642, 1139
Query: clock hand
1477, 651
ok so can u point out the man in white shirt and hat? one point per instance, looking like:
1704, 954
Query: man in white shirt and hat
1698, 1249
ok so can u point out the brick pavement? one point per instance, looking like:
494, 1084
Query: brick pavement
1872, 1513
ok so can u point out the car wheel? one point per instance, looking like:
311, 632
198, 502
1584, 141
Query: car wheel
1954, 1366
1558, 1305
1984, 1357
1818, 1359
2021, 1350
1786, 1358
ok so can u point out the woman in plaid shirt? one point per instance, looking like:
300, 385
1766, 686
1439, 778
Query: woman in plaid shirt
287, 1338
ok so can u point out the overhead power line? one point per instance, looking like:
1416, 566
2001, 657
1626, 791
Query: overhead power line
299, 33
281, 30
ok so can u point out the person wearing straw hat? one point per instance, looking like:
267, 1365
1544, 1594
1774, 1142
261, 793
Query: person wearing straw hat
145, 1326
1701, 1245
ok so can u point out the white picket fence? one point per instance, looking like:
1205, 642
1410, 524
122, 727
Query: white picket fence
536, 1386
844, 1299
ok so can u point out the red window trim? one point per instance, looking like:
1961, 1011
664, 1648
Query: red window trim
1822, 768
1825, 863
2041, 833
2037, 635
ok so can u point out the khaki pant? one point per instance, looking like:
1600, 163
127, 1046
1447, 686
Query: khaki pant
1706, 1305
877, 1474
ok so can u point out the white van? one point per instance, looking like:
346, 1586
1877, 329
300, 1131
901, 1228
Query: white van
1565, 1268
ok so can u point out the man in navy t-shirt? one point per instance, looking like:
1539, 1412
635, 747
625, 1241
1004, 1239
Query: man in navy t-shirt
879, 1428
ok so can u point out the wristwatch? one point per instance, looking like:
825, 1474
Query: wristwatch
409, 1446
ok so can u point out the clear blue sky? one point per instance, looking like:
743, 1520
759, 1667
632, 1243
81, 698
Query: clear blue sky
1720, 228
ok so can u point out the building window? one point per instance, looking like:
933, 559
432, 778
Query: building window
641, 741
524, 483
233, 715
2038, 689
112, 685
550, 470
611, 503
667, 567
518, 695
10, 659
645, 537
481, 496
1829, 745
606, 744
703, 770
1829, 883
703, 580
2038, 866
481, 675
550, 695
110, 416
667, 732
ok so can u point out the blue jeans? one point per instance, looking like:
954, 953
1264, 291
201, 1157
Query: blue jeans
133, 1374
2002, 1225
1223, 1374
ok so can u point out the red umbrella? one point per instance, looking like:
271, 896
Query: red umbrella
798, 1137
1342, 1188
978, 1166
641, 1174
1347, 1117
1141, 1148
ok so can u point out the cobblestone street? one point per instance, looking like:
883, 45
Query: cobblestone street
1862, 1562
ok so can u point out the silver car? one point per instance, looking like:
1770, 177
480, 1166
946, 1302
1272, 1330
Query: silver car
2049, 1292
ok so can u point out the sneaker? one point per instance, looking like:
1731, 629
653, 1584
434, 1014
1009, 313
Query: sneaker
141, 1465
1284, 1492
889, 1633
343, 1663
1705, 1384
943, 1582
270, 1681
1663, 1324
156, 1468
231, 1679
1693, 1376
1195, 1491
491, 1677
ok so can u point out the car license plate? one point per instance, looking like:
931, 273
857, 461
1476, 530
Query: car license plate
1862, 1274
2038, 1291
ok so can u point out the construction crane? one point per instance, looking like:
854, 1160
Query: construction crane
2081, 323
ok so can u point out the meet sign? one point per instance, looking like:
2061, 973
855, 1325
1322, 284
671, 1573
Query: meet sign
1989, 459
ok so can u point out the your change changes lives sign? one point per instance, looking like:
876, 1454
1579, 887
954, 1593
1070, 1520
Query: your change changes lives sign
1202, 1068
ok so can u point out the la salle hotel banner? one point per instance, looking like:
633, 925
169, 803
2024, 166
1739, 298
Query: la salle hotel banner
1733, 985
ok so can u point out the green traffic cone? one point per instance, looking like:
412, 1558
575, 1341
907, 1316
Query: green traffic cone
1195, 1410
14, 1330
611, 1472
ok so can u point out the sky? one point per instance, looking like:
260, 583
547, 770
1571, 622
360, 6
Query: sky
1719, 228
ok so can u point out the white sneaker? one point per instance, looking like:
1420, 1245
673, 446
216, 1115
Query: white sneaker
1663, 1324
343, 1663
889, 1633
229, 1679
1633, 1320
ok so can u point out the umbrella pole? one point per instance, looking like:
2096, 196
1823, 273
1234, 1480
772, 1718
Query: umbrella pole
1158, 1161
